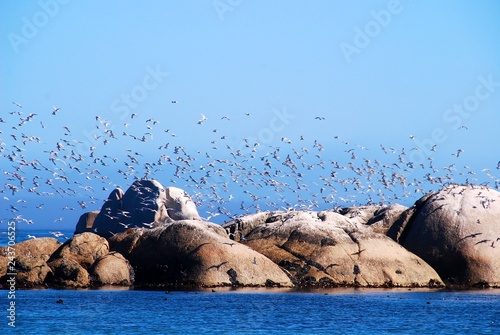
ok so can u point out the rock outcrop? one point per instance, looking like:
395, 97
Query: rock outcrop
71, 262
30, 261
456, 231
83, 248
193, 253
330, 249
146, 204
155, 238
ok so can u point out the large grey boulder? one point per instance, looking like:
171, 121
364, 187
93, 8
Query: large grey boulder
143, 204
457, 231
330, 249
193, 253
146, 204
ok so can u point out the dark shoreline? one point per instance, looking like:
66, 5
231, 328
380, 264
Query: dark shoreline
280, 290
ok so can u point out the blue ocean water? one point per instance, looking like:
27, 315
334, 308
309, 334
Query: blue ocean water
26, 234
248, 311
342, 311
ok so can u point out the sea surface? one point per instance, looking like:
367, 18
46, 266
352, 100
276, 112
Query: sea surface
256, 311
112, 310
26, 234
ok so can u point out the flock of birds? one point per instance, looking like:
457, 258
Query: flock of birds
223, 178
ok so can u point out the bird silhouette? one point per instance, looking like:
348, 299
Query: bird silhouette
217, 267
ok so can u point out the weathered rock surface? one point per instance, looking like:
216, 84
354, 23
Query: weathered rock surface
86, 222
145, 204
71, 262
379, 218
112, 269
67, 272
450, 236
457, 231
30, 261
179, 205
84, 248
329, 249
194, 253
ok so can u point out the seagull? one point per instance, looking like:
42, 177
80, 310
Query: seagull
57, 234
217, 266
203, 119
55, 110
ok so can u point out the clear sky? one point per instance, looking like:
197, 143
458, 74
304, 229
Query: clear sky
247, 105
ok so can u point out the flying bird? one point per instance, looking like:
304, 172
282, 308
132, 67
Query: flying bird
203, 119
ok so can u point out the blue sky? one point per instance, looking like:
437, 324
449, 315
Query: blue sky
349, 76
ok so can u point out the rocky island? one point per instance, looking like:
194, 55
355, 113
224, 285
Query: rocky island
153, 237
